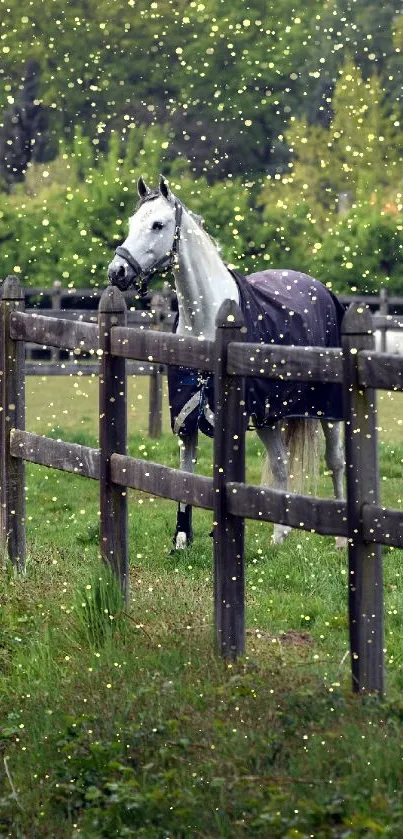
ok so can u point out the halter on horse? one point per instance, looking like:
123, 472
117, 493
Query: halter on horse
166, 260
280, 307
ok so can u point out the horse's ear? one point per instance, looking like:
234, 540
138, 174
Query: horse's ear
142, 187
164, 188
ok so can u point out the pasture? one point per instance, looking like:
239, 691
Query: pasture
128, 725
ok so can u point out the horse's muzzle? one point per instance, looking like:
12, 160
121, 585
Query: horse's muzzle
121, 274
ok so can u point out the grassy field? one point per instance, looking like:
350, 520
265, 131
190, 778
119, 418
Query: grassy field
126, 724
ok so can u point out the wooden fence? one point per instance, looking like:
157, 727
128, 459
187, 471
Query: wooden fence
158, 314
51, 361
361, 518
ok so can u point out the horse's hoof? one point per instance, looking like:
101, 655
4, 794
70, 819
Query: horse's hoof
279, 535
181, 541
341, 543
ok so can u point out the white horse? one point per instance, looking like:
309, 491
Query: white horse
164, 234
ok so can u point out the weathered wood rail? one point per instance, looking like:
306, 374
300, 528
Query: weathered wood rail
81, 339
361, 518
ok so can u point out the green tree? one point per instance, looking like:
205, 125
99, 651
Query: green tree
64, 223
361, 252
365, 149
358, 155
226, 78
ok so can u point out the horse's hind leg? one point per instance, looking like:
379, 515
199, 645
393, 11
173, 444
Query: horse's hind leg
272, 439
187, 459
334, 456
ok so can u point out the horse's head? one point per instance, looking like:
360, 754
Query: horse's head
153, 239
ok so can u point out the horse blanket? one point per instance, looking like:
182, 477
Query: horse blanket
279, 307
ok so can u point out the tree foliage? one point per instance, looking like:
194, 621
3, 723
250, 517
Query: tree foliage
227, 78
362, 252
23, 136
280, 124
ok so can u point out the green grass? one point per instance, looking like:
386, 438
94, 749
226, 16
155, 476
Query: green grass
125, 723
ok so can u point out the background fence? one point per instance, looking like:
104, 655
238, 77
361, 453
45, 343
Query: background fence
361, 518
58, 297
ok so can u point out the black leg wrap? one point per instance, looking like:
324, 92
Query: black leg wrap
184, 523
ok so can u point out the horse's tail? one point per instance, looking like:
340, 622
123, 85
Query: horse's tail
302, 443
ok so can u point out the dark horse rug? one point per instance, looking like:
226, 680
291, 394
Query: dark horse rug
279, 307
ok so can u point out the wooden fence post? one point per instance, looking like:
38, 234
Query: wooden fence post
229, 465
12, 415
56, 306
365, 559
158, 306
112, 437
383, 310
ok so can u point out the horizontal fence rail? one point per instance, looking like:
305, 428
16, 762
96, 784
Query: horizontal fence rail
283, 362
382, 526
319, 515
142, 318
356, 366
388, 321
380, 370
82, 367
163, 481
58, 294
381, 301
45, 451
54, 332
177, 350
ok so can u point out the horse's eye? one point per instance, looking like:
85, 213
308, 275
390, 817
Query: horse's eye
157, 225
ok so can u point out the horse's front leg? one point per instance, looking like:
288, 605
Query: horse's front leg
334, 456
187, 460
277, 457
